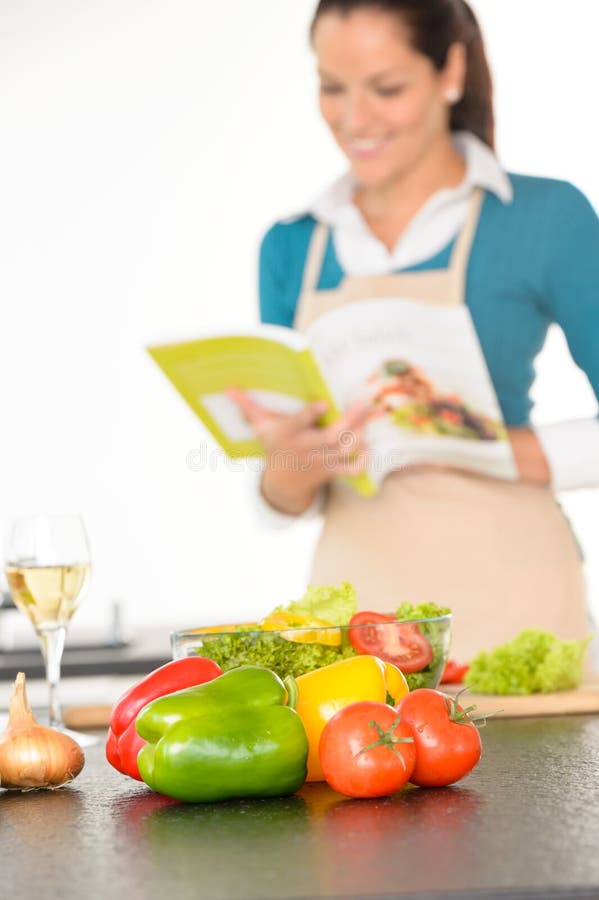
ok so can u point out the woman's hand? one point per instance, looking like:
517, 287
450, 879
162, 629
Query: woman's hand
302, 457
529, 456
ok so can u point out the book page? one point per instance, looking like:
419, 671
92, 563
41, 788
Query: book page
422, 371
227, 416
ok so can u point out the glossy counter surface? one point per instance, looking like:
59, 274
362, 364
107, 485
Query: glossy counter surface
524, 824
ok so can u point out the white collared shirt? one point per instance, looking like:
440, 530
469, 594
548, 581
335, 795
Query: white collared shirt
360, 252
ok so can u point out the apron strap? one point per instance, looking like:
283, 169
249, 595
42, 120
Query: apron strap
315, 257
458, 263
312, 269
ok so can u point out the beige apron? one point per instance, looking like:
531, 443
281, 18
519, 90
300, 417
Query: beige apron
500, 554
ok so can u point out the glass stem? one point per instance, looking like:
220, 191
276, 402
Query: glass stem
52, 640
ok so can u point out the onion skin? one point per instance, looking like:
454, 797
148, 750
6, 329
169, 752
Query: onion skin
32, 756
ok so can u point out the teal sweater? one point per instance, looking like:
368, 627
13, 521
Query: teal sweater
533, 262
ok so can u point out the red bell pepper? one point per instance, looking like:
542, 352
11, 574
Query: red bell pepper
454, 672
123, 742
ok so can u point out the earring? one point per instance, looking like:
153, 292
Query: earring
453, 95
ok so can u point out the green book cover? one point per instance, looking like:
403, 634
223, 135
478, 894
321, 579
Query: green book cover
274, 363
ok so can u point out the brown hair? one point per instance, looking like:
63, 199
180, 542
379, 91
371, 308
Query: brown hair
435, 25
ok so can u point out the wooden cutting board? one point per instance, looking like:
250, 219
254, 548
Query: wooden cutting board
583, 700
77, 717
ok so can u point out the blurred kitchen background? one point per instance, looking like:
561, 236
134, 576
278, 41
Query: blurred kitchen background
145, 147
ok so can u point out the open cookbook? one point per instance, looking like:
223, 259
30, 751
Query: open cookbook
419, 367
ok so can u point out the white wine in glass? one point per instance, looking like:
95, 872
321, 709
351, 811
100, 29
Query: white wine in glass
48, 571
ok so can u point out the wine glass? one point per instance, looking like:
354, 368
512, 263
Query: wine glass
48, 571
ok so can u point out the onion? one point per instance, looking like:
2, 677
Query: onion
32, 756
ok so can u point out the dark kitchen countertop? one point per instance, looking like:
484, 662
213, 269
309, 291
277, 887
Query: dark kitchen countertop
525, 824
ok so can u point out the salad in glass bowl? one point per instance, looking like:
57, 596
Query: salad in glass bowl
323, 627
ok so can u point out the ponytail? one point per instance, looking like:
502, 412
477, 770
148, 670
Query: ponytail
474, 112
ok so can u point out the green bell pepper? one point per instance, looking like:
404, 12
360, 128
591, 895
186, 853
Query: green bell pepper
230, 737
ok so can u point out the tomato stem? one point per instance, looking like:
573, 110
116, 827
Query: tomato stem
387, 738
464, 716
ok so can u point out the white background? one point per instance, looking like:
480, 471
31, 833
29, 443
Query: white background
144, 148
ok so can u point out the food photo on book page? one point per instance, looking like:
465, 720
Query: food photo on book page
422, 370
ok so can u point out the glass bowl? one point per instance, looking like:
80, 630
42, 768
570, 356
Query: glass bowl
295, 651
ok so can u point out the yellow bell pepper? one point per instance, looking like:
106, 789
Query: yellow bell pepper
311, 630
325, 691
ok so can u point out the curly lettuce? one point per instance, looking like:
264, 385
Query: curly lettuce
410, 611
271, 651
332, 604
534, 662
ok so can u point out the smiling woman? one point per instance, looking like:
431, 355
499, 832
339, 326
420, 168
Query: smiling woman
429, 224
144, 156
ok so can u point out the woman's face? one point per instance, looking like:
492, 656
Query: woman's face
384, 102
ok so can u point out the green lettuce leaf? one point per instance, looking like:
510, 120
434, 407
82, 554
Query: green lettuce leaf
335, 605
534, 662
271, 651
408, 611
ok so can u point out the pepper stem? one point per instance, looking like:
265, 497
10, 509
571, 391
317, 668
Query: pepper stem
292, 691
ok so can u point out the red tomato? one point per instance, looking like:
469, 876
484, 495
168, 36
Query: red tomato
366, 751
447, 742
403, 644
454, 672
